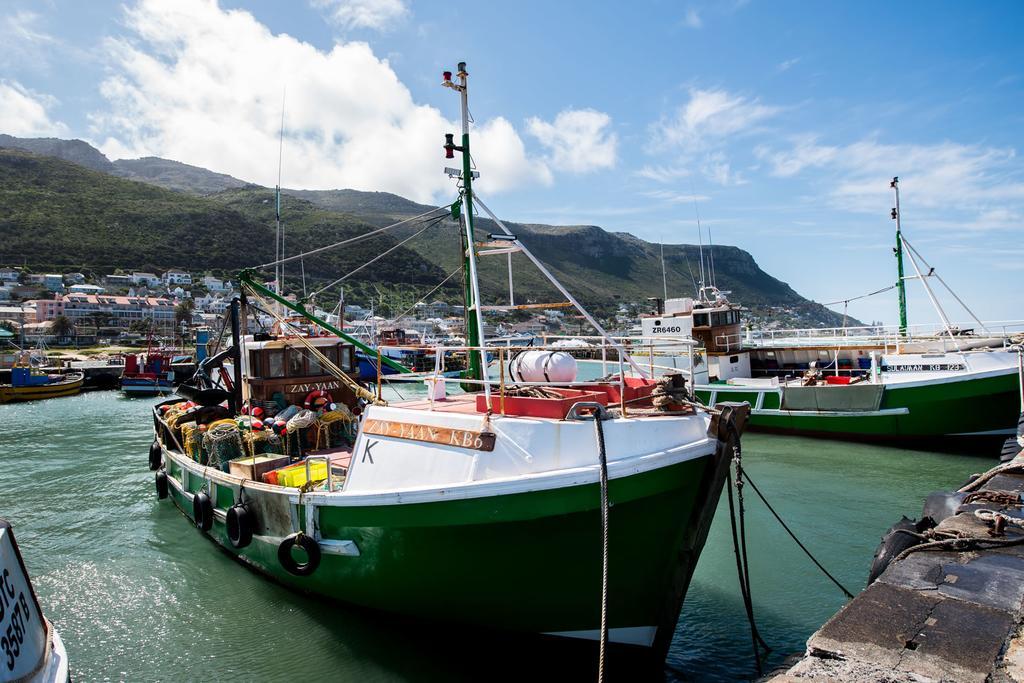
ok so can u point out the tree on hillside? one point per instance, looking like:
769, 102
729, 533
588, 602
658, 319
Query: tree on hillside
183, 311
62, 327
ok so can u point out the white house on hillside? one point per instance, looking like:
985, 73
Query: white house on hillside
147, 279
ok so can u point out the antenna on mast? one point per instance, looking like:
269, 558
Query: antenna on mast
279, 240
898, 252
700, 240
664, 280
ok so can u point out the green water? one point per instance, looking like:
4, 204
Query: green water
138, 594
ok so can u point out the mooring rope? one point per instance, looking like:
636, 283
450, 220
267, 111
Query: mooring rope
796, 540
742, 573
603, 458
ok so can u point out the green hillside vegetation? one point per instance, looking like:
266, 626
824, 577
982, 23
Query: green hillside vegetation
59, 215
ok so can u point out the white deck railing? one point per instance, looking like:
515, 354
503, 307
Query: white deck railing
883, 335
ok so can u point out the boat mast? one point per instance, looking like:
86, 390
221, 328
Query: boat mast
664, 279
900, 283
474, 322
279, 241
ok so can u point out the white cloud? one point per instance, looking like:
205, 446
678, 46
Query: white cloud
24, 113
25, 44
673, 197
203, 85
354, 14
709, 117
662, 174
578, 141
698, 131
942, 174
787, 65
947, 184
692, 19
806, 152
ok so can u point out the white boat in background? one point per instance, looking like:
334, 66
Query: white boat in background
894, 383
31, 651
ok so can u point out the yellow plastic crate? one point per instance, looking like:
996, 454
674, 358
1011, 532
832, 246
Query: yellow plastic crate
295, 475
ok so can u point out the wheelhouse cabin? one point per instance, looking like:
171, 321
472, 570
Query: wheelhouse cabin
284, 371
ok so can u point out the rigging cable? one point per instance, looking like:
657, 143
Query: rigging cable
439, 285
932, 271
380, 256
350, 240
862, 296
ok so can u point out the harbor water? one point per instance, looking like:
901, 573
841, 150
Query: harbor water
139, 594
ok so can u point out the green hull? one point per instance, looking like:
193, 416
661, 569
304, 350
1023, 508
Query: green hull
527, 561
986, 406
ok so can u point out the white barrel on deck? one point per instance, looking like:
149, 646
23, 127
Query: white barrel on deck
543, 366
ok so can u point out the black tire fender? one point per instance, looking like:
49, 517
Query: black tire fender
202, 511
895, 541
240, 522
309, 545
161, 484
156, 455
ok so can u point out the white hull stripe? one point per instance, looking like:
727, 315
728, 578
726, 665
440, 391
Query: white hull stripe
990, 432
835, 413
630, 635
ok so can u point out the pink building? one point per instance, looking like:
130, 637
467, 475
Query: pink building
47, 309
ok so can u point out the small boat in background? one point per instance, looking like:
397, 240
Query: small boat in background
147, 374
31, 384
30, 648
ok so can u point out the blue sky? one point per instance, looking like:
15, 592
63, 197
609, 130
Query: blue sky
781, 121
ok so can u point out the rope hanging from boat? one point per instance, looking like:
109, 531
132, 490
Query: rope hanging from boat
378, 256
796, 540
739, 546
324, 360
603, 460
445, 209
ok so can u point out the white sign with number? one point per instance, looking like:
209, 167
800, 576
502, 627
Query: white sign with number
22, 629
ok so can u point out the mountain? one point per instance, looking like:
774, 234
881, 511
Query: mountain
171, 175
599, 267
174, 175
75, 151
58, 215
74, 207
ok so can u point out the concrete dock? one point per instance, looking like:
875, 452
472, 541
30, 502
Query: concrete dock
937, 615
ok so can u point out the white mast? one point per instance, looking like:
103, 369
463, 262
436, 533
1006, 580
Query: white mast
664, 280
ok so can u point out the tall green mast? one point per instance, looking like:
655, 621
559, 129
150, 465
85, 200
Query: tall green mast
900, 283
463, 209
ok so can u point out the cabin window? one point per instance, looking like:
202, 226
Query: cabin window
275, 363
346, 358
296, 363
255, 367
700, 320
331, 352
313, 361
734, 359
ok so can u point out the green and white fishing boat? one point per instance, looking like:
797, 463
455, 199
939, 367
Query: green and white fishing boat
549, 506
907, 383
